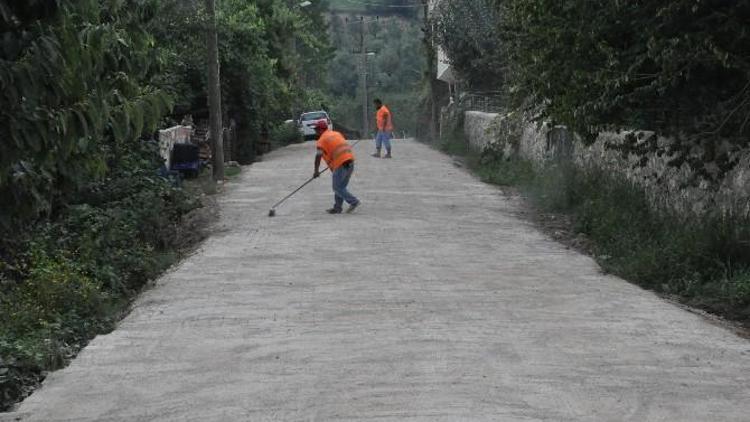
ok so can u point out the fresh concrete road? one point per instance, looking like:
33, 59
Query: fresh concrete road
433, 302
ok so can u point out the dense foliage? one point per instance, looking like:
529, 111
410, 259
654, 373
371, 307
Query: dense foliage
394, 70
76, 87
64, 281
270, 52
476, 49
84, 217
680, 67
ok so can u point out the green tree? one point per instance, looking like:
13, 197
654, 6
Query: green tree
77, 82
679, 67
469, 34
81, 84
270, 52
394, 70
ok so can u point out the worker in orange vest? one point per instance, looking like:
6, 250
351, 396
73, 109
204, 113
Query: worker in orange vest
333, 148
385, 129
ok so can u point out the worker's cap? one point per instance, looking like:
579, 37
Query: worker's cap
322, 125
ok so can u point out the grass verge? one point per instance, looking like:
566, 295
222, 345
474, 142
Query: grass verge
702, 261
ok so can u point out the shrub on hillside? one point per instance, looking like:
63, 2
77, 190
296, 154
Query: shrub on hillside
285, 134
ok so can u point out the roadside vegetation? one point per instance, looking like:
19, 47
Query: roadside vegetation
87, 215
703, 262
395, 69
679, 68
271, 54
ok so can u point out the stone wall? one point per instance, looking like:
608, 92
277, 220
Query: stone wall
668, 186
480, 129
673, 187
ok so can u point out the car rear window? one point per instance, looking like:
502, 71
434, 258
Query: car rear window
314, 116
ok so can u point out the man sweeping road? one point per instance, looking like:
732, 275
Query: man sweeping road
333, 148
385, 129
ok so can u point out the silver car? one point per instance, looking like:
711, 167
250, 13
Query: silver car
307, 122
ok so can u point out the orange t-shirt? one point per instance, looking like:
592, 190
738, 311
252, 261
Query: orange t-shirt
336, 151
385, 120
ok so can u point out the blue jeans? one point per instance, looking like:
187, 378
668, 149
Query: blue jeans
341, 178
383, 138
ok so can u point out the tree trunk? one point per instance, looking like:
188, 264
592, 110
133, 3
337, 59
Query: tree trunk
214, 93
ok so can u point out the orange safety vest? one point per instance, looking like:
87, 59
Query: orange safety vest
336, 151
385, 120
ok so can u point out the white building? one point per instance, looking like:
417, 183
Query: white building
444, 69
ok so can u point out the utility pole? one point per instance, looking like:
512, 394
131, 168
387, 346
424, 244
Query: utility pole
365, 104
214, 93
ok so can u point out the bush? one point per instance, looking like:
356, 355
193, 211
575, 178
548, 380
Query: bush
54, 284
49, 306
454, 144
730, 296
494, 167
285, 134
468, 32
47, 317
56, 131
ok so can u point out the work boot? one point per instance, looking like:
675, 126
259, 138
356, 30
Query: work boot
388, 155
376, 155
353, 207
334, 211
